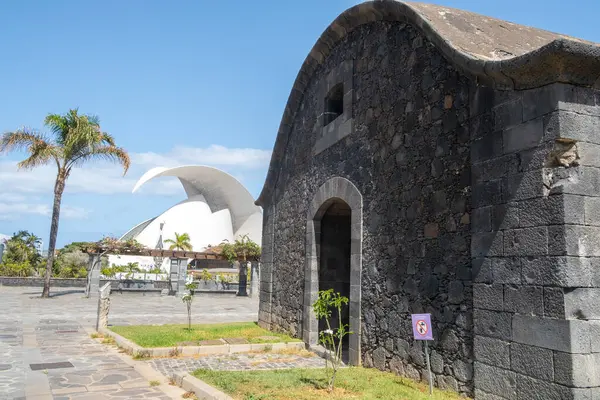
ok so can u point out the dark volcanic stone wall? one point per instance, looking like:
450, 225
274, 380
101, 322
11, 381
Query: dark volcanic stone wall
409, 157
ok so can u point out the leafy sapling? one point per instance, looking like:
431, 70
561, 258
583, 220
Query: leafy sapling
331, 338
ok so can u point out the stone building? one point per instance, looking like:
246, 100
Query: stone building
434, 160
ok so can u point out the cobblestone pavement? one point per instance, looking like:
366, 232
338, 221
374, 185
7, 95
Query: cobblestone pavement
46, 331
236, 362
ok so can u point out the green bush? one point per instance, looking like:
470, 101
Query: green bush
155, 270
16, 269
71, 263
205, 275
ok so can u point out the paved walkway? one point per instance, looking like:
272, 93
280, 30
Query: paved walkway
236, 362
46, 352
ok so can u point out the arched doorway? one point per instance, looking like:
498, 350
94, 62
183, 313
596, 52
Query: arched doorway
334, 257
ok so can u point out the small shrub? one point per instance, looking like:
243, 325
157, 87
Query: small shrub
108, 340
154, 383
205, 276
268, 348
327, 301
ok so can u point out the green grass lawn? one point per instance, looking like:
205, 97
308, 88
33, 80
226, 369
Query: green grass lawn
309, 384
170, 335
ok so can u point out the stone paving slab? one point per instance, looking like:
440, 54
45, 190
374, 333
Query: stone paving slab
237, 362
54, 331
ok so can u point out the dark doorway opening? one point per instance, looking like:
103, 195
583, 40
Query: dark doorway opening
334, 268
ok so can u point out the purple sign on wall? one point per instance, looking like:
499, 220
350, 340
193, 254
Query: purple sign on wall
421, 324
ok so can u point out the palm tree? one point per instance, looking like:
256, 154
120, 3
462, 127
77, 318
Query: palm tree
75, 139
181, 242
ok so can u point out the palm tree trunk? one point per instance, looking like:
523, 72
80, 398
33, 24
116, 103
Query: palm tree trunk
59, 187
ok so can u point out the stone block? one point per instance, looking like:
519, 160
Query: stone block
541, 101
379, 358
522, 186
589, 154
488, 297
492, 323
206, 350
505, 216
577, 370
551, 210
486, 147
523, 136
570, 336
486, 244
526, 300
571, 125
162, 351
495, 168
582, 303
530, 388
592, 210
492, 351
498, 381
508, 114
486, 193
526, 241
533, 361
437, 362
463, 371
189, 350
557, 271
582, 241
582, 180
241, 348
594, 328
554, 303
481, 219
482, 270
507, 270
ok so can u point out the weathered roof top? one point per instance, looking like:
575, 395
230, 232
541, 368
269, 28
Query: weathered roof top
499, 53
485, 37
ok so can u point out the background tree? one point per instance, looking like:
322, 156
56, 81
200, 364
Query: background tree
75, 140
243, 247
181, 242
21, 256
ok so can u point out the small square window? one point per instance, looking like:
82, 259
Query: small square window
334, 104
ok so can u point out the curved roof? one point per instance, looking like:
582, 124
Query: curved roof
498, 53
136, 230
220, 190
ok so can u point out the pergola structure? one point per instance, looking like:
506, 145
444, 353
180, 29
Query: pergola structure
178, 270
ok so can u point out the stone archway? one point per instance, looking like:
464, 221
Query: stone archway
343, 191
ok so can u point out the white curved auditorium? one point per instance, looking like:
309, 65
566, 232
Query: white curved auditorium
218, 207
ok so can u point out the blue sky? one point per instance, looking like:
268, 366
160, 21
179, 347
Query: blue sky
176, 82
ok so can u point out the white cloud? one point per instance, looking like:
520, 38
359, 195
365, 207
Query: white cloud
73, 212
104, 178
12, 211
213, 155
23, 188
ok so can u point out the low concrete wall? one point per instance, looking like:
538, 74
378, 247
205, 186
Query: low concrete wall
30, 281
209, 287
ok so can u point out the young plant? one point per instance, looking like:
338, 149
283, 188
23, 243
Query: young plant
205, 276
191, 287
332, 339
188, 298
